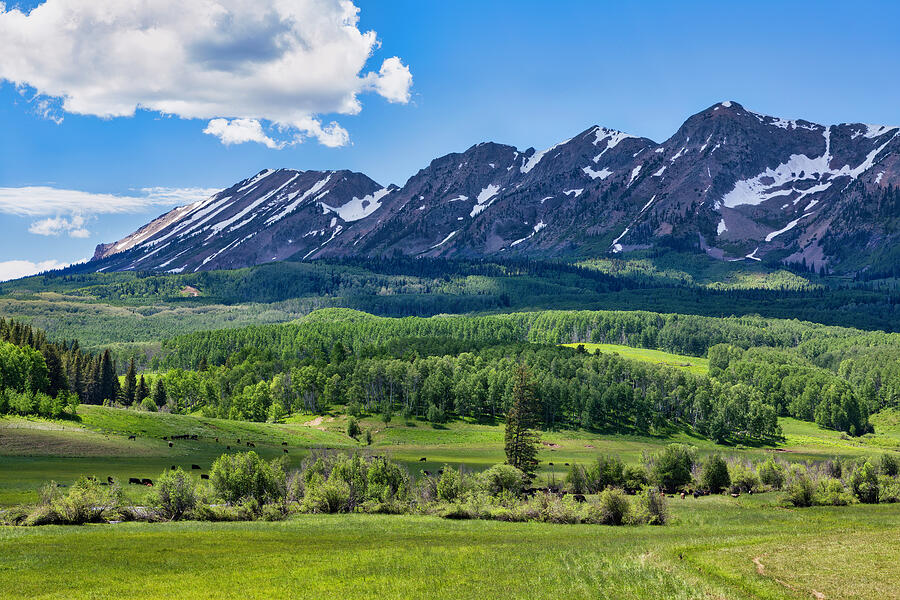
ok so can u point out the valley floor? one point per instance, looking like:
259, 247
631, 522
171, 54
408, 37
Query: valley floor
717, 547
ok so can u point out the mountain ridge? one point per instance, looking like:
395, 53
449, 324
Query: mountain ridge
730, 182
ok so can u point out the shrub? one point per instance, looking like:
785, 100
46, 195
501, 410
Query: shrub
86, 502
671, 468
174, 494
149, 405
329, 496
435, 415
449, 485
386, 480
801, 491
245, 475
608, 471
888, 489
889, 465
743, 479
653, 506
833, 493
714, 476
355, 409
615, 508
864, 483
353, 427
636, 478
834, 468
576, 479
771, 474
503, 478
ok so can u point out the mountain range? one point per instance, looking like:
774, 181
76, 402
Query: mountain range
730, 183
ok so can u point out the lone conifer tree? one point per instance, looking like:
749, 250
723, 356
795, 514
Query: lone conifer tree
143, 391
521, 419
130, 387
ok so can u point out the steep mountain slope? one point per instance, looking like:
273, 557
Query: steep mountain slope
730, 182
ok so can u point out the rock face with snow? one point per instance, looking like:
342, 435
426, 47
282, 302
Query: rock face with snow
732, 183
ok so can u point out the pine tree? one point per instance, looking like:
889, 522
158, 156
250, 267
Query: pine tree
142, 390
159, 393
130, 388
109, 381
521, 419
56, 374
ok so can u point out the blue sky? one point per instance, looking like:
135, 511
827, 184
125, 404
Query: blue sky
526, 73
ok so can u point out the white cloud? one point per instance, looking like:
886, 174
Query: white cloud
13, 269
58, 225
235, 62
39, 201
238, 131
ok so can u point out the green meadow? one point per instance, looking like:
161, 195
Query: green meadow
693, 364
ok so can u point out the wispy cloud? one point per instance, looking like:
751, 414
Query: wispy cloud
39, 201
238, 64
68, 211
14, 269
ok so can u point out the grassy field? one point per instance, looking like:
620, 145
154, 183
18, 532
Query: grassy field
34, 451
717, 547
693, 364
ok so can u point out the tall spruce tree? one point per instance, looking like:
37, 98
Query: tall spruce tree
109, 381
129, 389
521, 419
159, 393
142, 390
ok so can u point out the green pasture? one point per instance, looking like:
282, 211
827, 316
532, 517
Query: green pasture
712, 550
693, 364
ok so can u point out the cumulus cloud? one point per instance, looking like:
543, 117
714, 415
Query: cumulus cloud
58, 225
14, 269
238, 63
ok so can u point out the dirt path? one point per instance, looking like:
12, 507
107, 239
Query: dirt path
761, 569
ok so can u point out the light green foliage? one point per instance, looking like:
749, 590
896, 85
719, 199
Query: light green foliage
244, 476
353, 427
615, 507
743, 478
149, 405
174, 494
449, 484
864, 483
714, 475
771, 473
671, 468
503, 479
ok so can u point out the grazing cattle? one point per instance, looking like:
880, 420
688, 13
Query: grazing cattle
204, 476
427, 473
173, 467
147, 482
284, 443
109, 480
580, 498
735, 495
165, 437
423, 459
228, 447
682, 495
217, 440
551, 464
195, 466
750, 492
251, 444
171, 444
696, 494
239, 440
91, 478
285, 450
134, 480
131, 437
440, 471
567, 464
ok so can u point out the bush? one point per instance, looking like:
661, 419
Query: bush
771, 474
245, 475
435, 415
743, 479
801, 491
671, 468
576, 480
353, 427
355, 409
174, 494
329, 496
833, 493
449, 485
653, 506
636, 478
149, 405
888, 489
864, 483
889, 465
503, 478
615, 508
714, 476
386, 481
608, 471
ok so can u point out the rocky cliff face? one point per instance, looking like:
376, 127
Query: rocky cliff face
732, 183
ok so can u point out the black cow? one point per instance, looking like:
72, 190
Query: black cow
217, 440
131, 437
171, 444
285, 450
284, 443
580, 498
228, 447
195, 466
423, 459
134, 480
147, 482
109, 480
239, 440
204, 476
428, 473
